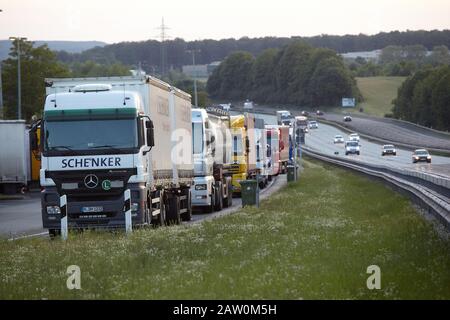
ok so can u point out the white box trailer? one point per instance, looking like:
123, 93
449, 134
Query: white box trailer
14, 155
133, 133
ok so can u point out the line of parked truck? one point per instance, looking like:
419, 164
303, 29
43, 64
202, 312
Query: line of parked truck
101, 136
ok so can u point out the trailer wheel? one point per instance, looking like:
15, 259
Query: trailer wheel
219, 198
230, 194
187, 216
53, 233
210, 208
173, 210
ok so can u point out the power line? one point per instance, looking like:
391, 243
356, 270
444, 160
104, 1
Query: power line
163, 37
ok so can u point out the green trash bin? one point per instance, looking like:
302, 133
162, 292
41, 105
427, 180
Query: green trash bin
290, 173
250, 193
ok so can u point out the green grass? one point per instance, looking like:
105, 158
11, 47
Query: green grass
378, 93
313, 240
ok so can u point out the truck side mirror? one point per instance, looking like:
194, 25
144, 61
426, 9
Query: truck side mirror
34, 141
150, 133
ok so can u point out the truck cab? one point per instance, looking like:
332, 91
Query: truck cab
284, 117
93, 141
212, 188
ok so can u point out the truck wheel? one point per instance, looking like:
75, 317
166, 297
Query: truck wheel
173, 210
210, 208
228, 202
219, 199
187, 216
53, 233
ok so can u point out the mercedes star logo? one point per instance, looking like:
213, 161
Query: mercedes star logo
91, 181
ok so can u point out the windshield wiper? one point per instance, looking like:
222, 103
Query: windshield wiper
110, 147
60, 147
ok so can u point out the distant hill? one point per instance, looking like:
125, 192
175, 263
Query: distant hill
69, 46
148, 53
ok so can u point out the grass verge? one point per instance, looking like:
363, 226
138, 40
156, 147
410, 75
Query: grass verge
312, 240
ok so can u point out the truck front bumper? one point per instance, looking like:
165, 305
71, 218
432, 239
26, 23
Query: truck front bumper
95, 212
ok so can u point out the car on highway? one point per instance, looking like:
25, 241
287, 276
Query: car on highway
347, 118
421, 155
353, 137
305, 113
313, 124
319, 113
388, 149
352, 147
338, 139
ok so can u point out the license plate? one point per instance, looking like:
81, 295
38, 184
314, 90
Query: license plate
91, 209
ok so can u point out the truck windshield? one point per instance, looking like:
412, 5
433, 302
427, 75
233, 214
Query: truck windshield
90, 135
197, 137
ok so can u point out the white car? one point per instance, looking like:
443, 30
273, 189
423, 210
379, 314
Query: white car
313, 125
353, 137
338, 139
388, 149
352, 147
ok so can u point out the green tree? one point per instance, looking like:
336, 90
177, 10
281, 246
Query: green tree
37, 63
439, 55
292, 73
232, 79
441, 101
94, 69
262, 74
330, 82
391, 54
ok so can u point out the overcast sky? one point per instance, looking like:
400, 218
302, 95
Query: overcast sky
131, 20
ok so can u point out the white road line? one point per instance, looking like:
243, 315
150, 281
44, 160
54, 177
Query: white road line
45, 233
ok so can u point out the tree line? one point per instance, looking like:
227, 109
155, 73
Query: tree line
148, 53
297, 74
38, 63
401, 61
424, 98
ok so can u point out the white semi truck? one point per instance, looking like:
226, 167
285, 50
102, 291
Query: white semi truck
212, 189
102, 136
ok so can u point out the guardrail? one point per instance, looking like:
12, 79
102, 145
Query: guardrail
431, 192
383, 141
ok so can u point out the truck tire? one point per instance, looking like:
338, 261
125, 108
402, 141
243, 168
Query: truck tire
173, 210
187, 216
219, 198
228, 202
210, 208
53, 233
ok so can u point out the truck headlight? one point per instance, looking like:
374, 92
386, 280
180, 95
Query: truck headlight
53, 210
428, 157
200, 187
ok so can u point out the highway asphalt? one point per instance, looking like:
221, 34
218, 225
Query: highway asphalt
383, 128
321, 139
395, 131
22, 218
